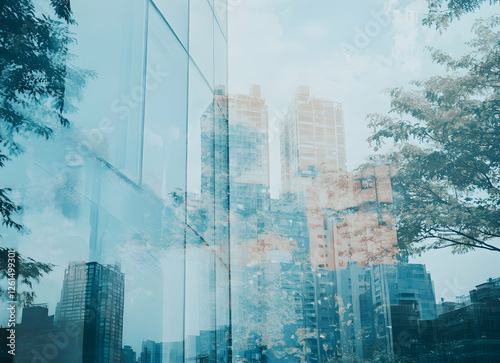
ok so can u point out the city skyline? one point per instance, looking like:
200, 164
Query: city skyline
392, 286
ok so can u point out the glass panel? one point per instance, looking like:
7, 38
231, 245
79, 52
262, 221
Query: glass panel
221, 9
221, 223
110, 114
176, 13
200, 120
201, 41
165, 111
165, 174
220, 57
200, 251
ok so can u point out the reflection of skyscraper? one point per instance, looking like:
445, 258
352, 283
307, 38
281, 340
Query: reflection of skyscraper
93, 296
249, 141
312, 137
249, 190
402, 283
249, 137
197, 348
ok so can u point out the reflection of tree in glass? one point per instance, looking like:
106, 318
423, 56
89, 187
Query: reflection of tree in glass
38, 88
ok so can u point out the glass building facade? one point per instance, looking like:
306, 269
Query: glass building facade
137, 187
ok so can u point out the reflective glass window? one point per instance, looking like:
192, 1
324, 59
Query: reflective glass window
165, 111
201, 42
176, 13
110, 114
220, 58
221, 9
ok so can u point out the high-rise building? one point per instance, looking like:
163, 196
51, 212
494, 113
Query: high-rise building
39, 339
347, 212
250, 200
312, 138
402, 283
342, 315
249, 158
92, 297
129, 355
349, 219
365, 312
248, 117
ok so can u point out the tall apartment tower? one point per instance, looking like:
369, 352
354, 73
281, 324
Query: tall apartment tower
249, 139
349, 218
250, 199
312, 138
92, 297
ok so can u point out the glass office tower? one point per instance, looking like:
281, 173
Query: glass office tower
92, 299
140, 179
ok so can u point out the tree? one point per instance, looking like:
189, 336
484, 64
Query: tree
27, 271
442, 12
447, 150
38, 87
37, 83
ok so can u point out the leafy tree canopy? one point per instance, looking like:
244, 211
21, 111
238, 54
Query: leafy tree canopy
27, 272
442, 12
446, 132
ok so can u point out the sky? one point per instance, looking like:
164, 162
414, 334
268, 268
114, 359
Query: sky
348, 51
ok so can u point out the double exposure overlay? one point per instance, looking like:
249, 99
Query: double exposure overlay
249, 181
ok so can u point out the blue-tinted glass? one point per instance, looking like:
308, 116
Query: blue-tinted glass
220, 60
221, 9
110, 116
200, 287
201, 41
164, 170
200, 119
176, 14
165, 111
